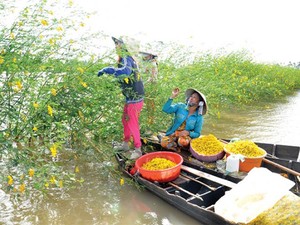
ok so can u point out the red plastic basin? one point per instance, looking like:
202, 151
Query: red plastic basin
161, 176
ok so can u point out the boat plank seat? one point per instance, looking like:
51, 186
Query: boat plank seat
287, 152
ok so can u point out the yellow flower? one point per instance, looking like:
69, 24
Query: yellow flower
76, 169
70, 2
83, 84
52, 41
80, 69
14, 59
31, 172
35, 105
53, 92
122, 181
22, 188
44, 22
126, 80
60, 183
82, 24
50, 12
34, 128
46, 184
50, 110
20, 23
10, 180
41, 36
1, 60
12, 35
53, 150
145, 140
18, 86
53, 180
59, 28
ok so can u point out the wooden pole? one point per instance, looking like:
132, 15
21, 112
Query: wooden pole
208, 176
198, 181
288, 170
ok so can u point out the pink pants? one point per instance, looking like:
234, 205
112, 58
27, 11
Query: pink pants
130, 120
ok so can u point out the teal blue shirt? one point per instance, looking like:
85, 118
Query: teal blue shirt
194, 122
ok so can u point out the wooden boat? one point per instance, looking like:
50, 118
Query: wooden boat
189, 193
199, 185
282, 159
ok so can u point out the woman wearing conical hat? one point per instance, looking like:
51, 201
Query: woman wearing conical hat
188, 119
133, 90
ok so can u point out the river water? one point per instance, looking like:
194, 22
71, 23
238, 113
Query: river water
101, 200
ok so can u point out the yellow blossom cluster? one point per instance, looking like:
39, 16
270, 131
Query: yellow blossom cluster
18, 86
246, 148
53, 92
31, 172
50, 110
35, 105
44, 22
207, 145
59, 28
158, 163
10, 180
53, 150
22, 188
83, 84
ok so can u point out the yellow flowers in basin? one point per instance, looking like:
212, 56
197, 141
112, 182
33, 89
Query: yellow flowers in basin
158, 164
207, 145
246, 148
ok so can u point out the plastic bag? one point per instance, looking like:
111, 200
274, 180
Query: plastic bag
256, 193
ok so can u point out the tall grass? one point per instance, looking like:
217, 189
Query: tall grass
232, 80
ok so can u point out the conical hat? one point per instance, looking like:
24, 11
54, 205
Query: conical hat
146, 54
130, 44
190, 91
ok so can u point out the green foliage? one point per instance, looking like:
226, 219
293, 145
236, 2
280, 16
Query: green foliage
48, 100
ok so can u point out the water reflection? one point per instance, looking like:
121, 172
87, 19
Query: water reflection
101, 200
6, 208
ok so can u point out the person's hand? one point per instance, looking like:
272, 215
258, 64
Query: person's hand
175, 92
100, 73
